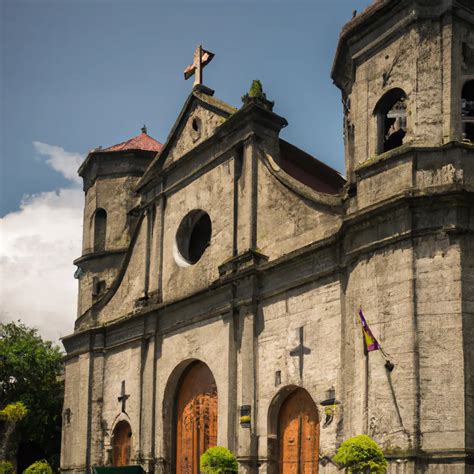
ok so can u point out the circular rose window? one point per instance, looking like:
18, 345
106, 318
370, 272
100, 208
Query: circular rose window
192, 238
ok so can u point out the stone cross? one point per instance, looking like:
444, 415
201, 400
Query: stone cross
300, 351
201, 59
123, 397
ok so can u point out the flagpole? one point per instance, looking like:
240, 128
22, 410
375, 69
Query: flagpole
366, 394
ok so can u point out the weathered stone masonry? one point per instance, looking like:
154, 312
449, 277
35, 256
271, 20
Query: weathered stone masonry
294, 251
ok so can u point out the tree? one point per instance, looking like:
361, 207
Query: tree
10, 417
218, 460
361, 454
31, 373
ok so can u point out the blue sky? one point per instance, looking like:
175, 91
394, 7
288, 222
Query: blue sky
79, 74
76, 74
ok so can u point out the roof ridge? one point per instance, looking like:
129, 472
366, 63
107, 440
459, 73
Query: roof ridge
142, 141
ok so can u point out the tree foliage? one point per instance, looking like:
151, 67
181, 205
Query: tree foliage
218, 460
361, 454
14, 412
39, 467
30, 373
6, 467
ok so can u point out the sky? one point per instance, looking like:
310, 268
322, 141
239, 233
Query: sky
77, 74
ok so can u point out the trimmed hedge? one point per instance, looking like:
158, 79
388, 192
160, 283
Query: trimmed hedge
361, 454
218, 460
39, 467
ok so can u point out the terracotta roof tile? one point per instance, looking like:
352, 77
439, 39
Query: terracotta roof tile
361, 17
140, 142
308, 170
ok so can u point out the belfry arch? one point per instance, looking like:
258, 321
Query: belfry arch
391, 120
467, 114
293, 432
100, 230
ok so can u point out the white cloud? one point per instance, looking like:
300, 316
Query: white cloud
37, 246
60, 160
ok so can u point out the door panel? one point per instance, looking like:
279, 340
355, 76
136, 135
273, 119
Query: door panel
299, 434
121, 444
196, 428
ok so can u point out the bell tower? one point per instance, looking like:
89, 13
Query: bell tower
110, 176
406, 72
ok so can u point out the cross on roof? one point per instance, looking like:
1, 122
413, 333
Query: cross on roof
201, 59
300, 351
123, 397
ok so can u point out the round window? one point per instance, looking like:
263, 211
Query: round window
192, 238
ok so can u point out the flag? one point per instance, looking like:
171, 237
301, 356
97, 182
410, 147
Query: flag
371, 344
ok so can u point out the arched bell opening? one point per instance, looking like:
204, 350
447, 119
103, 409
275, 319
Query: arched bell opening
293, 433
391, 120
121, 444
100, 229
194, 415
467, 111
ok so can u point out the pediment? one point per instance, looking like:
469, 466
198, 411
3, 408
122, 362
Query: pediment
200, 116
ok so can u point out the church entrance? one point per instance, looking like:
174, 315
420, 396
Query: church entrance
196, 417
298, 434
121, 444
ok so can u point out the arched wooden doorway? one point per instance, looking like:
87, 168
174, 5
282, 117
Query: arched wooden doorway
298, 434
196, 417
121, 444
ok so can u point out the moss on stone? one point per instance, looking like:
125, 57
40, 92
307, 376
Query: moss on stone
256, 94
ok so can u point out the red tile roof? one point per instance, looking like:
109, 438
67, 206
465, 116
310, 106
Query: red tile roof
308, 170
361, 17
140, 142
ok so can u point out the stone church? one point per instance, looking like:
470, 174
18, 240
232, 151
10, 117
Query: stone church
222, 272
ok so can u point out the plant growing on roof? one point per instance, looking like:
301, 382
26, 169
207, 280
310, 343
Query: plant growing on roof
256, 94
361, 454
218, 460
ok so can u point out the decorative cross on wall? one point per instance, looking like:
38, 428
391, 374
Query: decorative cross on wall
300, 351
201, 59
123, 397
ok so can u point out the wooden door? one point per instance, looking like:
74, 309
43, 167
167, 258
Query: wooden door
196, 418
121, 444
298, 434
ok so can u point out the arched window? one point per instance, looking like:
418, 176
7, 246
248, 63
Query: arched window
100, 229
391, 116
467, 111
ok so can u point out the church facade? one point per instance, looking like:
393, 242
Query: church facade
222, 272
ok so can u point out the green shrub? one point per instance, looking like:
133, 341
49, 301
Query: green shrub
361, 454
218, 460
6, 467
14, 412
39, 467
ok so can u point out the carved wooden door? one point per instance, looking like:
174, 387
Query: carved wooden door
196, 428
121, 444
299, 434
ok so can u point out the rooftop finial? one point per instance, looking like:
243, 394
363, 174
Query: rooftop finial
144, 130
